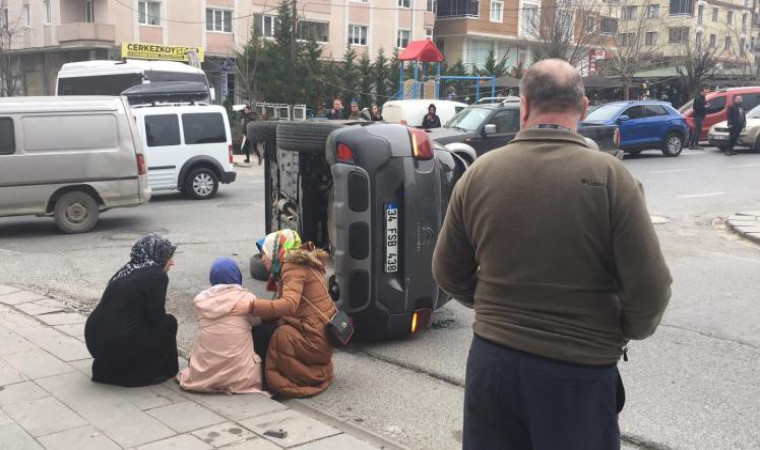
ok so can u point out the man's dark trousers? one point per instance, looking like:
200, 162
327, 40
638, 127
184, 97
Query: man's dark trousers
697, 131
733, 137
515, 401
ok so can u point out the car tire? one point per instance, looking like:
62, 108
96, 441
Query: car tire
305, 137
258, 269
76, 212
673, 145
261, 131
201, 184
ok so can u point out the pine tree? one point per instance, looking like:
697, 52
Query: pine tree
458, 89
366, 81
383, 77
395, 66
349, 75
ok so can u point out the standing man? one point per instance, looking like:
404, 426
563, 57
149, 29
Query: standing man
249, 116
552, 245
336, 113
700, 110
737, 120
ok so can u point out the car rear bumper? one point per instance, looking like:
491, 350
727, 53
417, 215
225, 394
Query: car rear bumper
228, 177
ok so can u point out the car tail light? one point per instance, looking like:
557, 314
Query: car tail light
421, 319
422, 145
141, 164
403, 122
229, 150
616, 137
344, 153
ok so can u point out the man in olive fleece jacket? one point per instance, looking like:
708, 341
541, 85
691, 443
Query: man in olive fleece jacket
551, 243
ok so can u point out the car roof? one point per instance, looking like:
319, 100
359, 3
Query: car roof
106, 67
639, 102
60, 103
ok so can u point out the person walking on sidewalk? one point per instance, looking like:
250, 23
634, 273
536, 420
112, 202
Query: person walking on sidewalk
737, 120
249, 115
552, 245
129, 334
700, 110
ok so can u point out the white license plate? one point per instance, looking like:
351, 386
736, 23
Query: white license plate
718, 137
391, 237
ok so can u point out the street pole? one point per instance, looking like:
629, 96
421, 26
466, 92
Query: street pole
293, 37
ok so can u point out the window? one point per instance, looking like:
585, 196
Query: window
529, 19
590, 24
630, 13
497, 11
750, 101
626, 39
25, 17
716, 104
730, 17
319, 31
402, 39
432, 6
149, 13
507, 121
404, 3
700, 14
219, 20
715, 15
47, 11
727, 44
681, 7
429, 33
698, 42
634, 112
653, 11
203, 128
609, 25
89, 11
101, 135
7, 137
744, 22
265, 25
650, 38
655, 110
357, 35
713, 41
162, 130
678, 35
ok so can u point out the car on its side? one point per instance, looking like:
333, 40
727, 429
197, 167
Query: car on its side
749, 136
644, 125
411, 112
718, 103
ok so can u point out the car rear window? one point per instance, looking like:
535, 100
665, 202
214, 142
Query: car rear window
716, 104
162, 130
750, 100
203, 128
7, 138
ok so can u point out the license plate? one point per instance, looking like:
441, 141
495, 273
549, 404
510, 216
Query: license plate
718, 137
391, 237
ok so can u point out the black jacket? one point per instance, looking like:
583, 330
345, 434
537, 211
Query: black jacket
700, 107
737, 117
428, 123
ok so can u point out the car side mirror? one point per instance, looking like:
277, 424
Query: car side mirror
623, 118
489, 129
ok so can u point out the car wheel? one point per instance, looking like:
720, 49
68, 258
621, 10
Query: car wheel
673, 145
305, 137
201, 184
261, 131
76, 212
258, 269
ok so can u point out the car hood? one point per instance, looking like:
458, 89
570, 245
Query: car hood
751, 123
445, 135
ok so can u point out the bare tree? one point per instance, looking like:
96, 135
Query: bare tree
10, 73
744, 57
697, 62
558, 29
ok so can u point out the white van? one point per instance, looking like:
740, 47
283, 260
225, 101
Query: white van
411, 112
187, 148
70, 158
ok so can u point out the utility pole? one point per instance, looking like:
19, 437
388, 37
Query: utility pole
293, 41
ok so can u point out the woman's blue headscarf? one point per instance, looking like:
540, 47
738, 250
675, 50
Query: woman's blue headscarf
225, 271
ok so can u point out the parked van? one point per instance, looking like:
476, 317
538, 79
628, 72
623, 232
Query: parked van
718, 103
411, 112
70, 158
187, 148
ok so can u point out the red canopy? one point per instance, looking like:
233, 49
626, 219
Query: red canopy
423, 51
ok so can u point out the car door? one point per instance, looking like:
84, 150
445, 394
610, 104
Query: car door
632, 130
161, 140
655, 125
506, 123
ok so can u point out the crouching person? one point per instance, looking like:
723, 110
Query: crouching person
223, 359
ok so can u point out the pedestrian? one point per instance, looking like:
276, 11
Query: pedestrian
296, 349
336, 113
129, 334
699, 107
552, 245
737, 120
354, 115
223, 358
431, 119
374, 113
249, 115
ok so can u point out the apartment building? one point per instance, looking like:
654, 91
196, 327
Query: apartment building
49, 33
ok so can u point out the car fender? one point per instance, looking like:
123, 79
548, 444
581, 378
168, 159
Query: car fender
200, 160
464, 151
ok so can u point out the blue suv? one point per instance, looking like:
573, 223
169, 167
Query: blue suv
644, 125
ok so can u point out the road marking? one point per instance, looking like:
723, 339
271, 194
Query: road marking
743, 166
706, 194
671, 171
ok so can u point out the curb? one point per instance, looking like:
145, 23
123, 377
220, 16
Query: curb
746, 225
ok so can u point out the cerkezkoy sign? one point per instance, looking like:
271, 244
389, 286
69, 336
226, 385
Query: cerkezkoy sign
136, 50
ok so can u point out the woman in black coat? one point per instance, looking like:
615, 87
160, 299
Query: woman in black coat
131, 338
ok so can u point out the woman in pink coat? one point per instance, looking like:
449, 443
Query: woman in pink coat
223, 359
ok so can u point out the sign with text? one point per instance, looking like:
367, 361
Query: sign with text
136, 50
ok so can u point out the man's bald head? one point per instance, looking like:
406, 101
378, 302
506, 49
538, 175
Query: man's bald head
553, 86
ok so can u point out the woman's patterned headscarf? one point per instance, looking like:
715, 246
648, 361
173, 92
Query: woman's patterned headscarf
276, 245
150, 250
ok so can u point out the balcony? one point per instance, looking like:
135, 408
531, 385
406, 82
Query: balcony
74, 32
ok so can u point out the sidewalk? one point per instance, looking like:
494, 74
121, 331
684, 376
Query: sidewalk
47, 400
241, 166
746, 225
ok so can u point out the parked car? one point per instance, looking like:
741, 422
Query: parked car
70, 158
644, 125
749, 137
718, 103
187, 147
483, 127
374, 196
411, 112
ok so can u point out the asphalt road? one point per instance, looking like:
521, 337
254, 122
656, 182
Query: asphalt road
694, 385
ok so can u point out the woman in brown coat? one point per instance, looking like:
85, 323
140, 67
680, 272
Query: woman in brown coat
298, 357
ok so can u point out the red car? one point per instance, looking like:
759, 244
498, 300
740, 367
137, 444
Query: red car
717, 106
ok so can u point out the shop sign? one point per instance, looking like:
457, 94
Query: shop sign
136, 50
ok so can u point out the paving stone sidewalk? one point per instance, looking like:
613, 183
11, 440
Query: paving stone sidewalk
47, 400
746, 224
